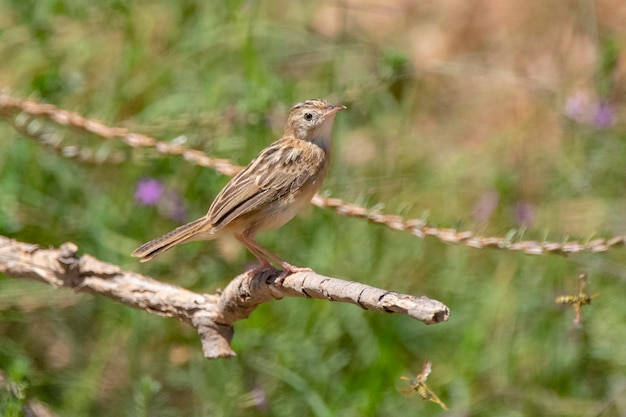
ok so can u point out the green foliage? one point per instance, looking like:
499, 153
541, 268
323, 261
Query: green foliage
14, 387
448, 118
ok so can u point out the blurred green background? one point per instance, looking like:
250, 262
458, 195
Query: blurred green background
486, 116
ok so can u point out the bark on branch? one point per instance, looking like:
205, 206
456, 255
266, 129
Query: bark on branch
212, 315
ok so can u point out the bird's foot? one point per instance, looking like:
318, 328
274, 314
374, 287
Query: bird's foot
289, 269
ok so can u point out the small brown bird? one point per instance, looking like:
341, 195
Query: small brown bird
268, 192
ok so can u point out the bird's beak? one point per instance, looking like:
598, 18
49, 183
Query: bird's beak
333, 109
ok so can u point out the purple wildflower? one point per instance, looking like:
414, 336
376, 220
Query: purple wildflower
577, 106
259, 398
171, 205
485, 206
148, 191
604, 116
584, 109
524, 213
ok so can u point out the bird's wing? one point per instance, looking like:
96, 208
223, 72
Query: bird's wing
280, 169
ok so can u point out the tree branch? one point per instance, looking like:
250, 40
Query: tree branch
212, 315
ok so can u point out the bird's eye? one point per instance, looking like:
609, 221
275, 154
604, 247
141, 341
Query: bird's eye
308, 116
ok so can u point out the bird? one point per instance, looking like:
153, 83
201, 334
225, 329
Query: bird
269, 191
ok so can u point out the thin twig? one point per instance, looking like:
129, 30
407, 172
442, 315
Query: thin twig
11, 108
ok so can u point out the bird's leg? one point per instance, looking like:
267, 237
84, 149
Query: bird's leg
261, 253
257, 253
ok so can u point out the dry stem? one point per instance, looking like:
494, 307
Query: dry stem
212, 315
21, 113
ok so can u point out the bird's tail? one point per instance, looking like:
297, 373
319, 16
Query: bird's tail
181, 234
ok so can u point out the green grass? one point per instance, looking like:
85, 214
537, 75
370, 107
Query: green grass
442, 112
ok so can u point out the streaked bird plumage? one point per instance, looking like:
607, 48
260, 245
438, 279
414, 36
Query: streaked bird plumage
269, 191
